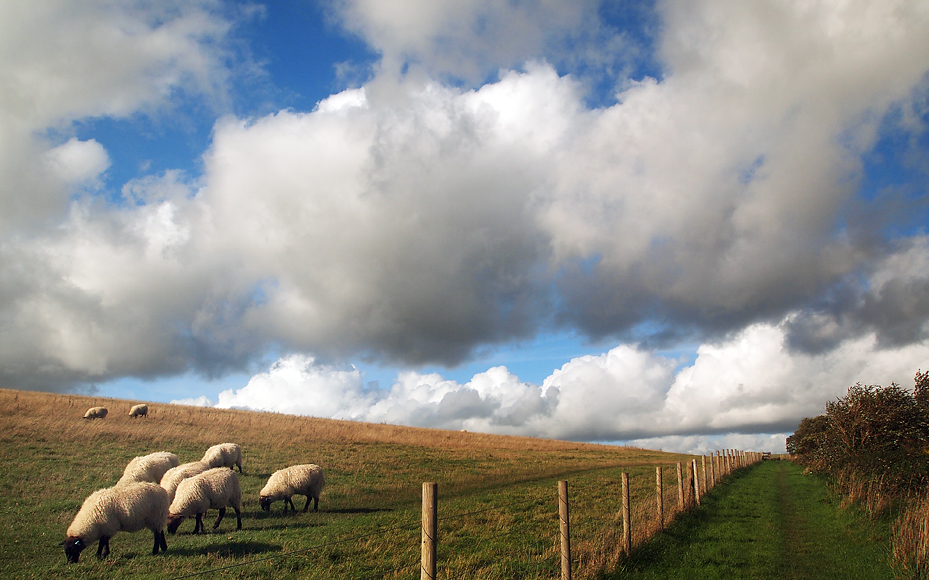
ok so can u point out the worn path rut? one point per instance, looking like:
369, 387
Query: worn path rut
767, 522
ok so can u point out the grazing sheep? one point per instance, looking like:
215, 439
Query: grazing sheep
139, 411
150, 468
174, 476
95, 413
216, 488
305, 480
118, 509
224, 455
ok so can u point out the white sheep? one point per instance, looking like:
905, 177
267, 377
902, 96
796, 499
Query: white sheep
216, 488
305, 480
150, 468
118, 509
174, 476
140, 410
224, 455
95, 413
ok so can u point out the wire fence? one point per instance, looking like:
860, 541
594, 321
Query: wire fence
526, 538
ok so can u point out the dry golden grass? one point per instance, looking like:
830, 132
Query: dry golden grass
911, 539
35, 413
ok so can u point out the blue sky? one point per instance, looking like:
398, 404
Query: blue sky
685, 225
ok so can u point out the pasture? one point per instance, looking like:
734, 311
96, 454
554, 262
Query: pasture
498, 506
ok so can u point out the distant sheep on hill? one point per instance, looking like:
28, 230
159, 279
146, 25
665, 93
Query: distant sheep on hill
95, 413
224, 455
305, 480
118, 509
217, 488
150, 468
139, 411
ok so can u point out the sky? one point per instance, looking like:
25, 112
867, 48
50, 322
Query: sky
681, 224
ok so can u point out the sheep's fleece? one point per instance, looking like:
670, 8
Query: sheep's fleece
151, 467
128, 508
216, 488
307, 479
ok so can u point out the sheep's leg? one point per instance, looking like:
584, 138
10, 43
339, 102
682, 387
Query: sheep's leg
222, 513
238, 518
287, 501
103, 549
306, 506
198, 527
160, 543
315, 503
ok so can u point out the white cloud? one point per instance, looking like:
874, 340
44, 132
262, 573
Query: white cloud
749, 392
464, 39
303, 386
201, 401
66, 61
78, 162
710, 444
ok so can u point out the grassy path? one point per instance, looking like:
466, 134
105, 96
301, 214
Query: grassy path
769, 522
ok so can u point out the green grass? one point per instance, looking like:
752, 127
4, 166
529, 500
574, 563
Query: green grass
768, 522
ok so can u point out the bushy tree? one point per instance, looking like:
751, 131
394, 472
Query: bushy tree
873, 431
809, 436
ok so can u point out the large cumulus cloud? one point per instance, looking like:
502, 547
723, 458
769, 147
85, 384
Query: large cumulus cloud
432, 212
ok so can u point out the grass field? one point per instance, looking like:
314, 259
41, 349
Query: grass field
771, 522
498, 503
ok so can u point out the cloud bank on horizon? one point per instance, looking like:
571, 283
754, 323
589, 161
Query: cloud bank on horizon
752, 178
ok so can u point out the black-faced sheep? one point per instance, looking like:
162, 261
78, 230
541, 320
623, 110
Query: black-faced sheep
224, 455
283, 484
140, 410
118, 509
95, 413
150, 468
217, 488
174, 476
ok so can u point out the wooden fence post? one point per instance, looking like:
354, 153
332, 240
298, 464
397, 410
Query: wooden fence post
696, 482
659, 493
706, 481
430, 528
627, 523
680, 487
564, 516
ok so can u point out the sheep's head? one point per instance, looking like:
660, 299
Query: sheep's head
265, 503
73, 548
174, 520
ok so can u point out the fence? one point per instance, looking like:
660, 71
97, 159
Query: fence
721, 464
692, 482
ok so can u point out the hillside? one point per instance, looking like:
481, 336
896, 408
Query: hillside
53, 459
